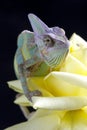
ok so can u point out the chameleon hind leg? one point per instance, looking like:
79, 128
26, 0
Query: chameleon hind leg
22, 66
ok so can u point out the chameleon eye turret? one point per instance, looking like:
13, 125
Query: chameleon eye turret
48, 41
38, 52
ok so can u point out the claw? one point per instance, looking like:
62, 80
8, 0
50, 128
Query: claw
33, 93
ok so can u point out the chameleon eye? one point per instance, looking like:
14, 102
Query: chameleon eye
48, 41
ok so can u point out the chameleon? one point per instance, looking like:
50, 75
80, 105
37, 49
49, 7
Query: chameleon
39, 52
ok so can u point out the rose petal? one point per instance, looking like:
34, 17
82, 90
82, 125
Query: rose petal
73, 65
49, 122
35, 83
66, 84
60, 103
47, 112
74, 120
81, 55
23, 101
15, 85
75, 79
78, 48
77, 43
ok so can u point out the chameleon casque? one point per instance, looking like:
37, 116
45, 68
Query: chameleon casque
39, 52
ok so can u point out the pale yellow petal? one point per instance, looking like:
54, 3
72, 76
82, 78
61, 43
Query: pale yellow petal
34, 83
74, 120
60, 103
78, 48
37, 83
81, 55
73, 65
47, 112
75, 79
66, 84
80, 120
15, 85
50, 122
23, 101
77, 43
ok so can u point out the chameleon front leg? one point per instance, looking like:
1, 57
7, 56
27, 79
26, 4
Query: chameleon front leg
22, 66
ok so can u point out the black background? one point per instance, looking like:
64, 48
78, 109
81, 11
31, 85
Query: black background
71, 15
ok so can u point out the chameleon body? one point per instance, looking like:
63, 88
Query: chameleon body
39, 52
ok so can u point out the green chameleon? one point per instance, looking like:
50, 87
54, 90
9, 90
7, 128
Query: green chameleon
39, 52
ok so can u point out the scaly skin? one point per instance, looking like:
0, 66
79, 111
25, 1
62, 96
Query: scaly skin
39, 52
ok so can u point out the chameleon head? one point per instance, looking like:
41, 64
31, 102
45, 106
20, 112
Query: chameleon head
52, 42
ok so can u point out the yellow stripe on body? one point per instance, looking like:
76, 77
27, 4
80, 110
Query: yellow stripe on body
25, 52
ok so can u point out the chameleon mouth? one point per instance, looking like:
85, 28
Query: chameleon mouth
55, 60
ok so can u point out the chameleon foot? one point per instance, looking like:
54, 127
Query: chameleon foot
33, 93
